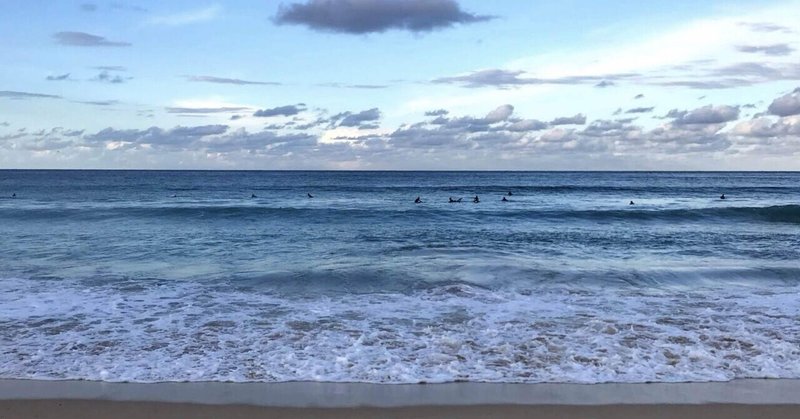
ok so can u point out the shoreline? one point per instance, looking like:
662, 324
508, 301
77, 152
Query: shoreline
349, 395
770, 398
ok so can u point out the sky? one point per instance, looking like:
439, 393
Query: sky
400, 85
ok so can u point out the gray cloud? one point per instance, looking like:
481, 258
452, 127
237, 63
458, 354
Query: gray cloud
83, 39
767, 128
525, 125
106, 77
639, 96
766, 27
287, 110
223, 80
177, 138
59, 77
350, 119
510, 78
605, 83
370, 16
100, 102
501, 113
772, 50
127, 7
578, 119
640, 110
786, 105
355, 86
437, 112
4, 124
183, 110
25, 95
88, 7
705, 115
110, 68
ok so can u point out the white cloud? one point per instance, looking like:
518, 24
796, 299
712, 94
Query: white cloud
187, 17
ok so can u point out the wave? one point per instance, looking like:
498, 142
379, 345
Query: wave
774, 214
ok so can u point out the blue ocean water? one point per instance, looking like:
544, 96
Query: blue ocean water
184, 276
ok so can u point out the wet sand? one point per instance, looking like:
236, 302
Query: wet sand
777, 399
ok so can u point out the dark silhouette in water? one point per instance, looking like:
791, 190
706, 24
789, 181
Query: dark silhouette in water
504, 199
14, 195
253, 196
453, 201
631, 203
417, 201
476, 199
722, 196
174, 195
309, 195
509, 193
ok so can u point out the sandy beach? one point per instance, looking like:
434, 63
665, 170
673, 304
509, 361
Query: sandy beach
96, 409
88, 399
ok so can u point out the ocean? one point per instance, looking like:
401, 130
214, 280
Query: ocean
152, 276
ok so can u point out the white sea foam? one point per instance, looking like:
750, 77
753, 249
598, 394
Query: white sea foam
187, 331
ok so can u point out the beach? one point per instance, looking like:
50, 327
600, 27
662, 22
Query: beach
86, 399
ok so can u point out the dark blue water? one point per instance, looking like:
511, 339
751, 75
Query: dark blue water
164, 276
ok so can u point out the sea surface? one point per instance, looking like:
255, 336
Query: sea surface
149, 276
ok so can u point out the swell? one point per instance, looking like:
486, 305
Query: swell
773, 214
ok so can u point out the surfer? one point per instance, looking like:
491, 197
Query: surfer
504, 199
631, 203
509, 193
476, 199
309, 195
174, 195
253, 195
417, 201
14, 195
452, 201
722, 196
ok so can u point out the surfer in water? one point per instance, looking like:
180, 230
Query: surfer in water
476, 199
252, 195
631, 203
309, 195
14, 195
509, 193
418, 201
722, 196
504, 199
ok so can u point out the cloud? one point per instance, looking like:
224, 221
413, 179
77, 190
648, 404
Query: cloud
349, 119
223, 80
640, 110
772, 50
371, 16
106, 77
83, 39
186, 110
768, 128
510, 78
786, 105
287, 110
639, 96
187, 17
525, 125
127, 7
578, 119
766, 27
437, 112
355, 86
705, 115
500, 114
59, 77
99, 102
110, 68
88, 7
25, 95
178, 138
